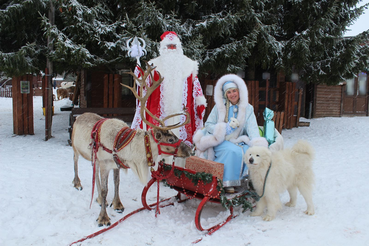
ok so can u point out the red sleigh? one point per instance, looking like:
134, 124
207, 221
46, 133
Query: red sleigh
201, 185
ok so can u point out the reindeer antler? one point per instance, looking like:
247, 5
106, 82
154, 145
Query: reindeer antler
149, 90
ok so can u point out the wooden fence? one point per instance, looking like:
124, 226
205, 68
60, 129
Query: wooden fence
284, 98
6, 92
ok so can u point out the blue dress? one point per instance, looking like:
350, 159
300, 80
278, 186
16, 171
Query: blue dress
230, 154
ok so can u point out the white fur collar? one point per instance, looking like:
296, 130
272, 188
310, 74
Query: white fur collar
220, 100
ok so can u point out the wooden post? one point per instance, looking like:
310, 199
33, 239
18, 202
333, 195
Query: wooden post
299, 108
106, 91
22, 106
267, 94
48, 99
111, 91
49, 77
82, 90
117, 91
209, 95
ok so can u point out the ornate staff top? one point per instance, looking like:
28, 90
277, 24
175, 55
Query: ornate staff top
135, 50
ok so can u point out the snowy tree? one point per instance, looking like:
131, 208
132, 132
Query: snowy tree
289, 36
22, 43
223, 35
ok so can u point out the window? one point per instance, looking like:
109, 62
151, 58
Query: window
350, 85
362, 84
127, 79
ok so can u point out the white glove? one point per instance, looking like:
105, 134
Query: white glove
234, 123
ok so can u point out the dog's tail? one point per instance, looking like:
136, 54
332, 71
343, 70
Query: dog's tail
303, 147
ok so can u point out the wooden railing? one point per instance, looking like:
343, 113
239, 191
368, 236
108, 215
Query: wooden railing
6, 92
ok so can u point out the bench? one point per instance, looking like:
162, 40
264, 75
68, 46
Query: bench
125, 114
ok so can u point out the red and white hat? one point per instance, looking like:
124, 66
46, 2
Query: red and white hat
170, 37
168, 34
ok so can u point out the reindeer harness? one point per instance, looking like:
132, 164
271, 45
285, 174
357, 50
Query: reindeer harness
122, 139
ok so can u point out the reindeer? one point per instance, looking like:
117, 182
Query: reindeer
62, 93
105, 147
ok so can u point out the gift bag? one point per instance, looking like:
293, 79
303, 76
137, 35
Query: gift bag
268, 131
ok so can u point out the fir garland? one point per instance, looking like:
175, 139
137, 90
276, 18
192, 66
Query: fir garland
204, 177
245, 199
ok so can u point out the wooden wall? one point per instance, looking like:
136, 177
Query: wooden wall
112, 90
328, 101
96, 89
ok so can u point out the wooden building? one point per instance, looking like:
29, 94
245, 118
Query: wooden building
349, 98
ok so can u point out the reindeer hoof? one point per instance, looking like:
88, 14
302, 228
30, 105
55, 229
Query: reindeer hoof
117, 207
77, 184
103, 222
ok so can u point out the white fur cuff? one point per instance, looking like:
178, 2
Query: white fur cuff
240, 139
200, 100
259, 141
203, 142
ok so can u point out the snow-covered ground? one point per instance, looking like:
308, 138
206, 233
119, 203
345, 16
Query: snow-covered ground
40, 206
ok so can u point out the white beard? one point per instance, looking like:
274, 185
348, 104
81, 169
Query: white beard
175, 68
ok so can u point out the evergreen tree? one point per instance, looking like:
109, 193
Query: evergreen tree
23, 46
223, 35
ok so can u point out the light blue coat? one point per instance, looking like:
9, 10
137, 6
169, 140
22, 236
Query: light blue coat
250, 127
229, 153
214, 143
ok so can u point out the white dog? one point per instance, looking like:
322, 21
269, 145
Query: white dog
291, 169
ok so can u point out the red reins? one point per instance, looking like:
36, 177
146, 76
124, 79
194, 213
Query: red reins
175, 145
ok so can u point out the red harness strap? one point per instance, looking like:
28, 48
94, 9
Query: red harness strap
175, 145
156, 174
123, 138
95, 136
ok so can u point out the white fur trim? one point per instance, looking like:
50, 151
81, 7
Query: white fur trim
260, 141
278, 144
200, 100
220, 132
240, 139
242, 105
204, 142
197, 136
211, 154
